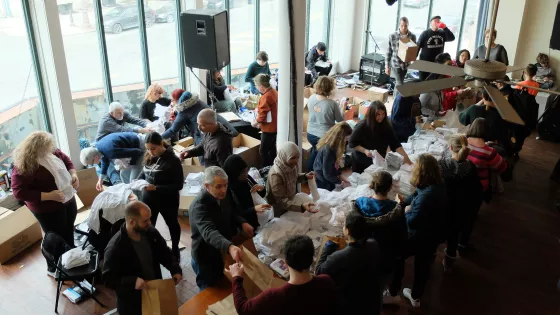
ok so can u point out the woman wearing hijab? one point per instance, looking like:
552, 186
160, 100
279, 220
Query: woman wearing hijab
281, 186
240, 187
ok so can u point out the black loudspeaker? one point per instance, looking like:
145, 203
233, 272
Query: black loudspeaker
205, 34
555, 37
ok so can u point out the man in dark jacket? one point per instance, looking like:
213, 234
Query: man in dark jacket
403, 116
114, 121
316, 53
216, 144
355, 270
133, 257
213, 224
432, 42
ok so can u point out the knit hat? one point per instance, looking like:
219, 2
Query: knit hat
176, 94
185, 96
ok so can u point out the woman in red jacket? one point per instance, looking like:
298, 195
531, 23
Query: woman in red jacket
45, 179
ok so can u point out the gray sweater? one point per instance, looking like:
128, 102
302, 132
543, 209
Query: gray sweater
108, 125
498, 53
322, 116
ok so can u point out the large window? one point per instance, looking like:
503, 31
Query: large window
268, 30
382, 22
451, 13
318, 21
21, 109
468, 36
242, 38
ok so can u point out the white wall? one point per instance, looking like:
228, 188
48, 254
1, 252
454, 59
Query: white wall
508, 26
348, 23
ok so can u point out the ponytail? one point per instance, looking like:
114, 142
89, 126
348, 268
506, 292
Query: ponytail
460, 145
463, 153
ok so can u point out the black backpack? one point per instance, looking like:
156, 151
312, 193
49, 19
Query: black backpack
526, 106
549, 123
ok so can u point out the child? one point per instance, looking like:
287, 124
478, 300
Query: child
545, 74
328, 160
529, 74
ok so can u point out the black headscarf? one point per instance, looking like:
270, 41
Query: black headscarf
240, 190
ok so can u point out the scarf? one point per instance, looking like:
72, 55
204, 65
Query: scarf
62, 177
288, 173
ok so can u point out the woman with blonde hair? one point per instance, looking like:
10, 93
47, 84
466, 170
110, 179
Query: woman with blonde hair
153, 95
266, 120
424, 212
323, 114
464, 196
45, 179
330, 151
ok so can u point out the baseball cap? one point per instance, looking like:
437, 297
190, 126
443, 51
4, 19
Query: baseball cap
435, 17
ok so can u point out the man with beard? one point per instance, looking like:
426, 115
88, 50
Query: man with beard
133, 257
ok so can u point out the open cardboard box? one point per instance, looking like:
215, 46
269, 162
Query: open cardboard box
378, 94
18, 230
185, 201
86, 193
251, 155
182, 144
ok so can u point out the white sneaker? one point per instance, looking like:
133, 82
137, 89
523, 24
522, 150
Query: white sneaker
389, 299
408, 294
51, 273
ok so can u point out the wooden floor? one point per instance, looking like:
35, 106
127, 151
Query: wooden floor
514, 270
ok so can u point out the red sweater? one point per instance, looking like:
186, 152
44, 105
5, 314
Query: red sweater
317, 297
28, 188
268, 103
486, 159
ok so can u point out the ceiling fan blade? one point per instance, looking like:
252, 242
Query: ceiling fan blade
531, 87
411, 89
504, 107
514, 68
433, 67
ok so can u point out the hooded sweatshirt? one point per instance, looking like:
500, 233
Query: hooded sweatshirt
166, 173
216, 147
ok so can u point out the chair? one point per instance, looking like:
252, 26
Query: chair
53, 247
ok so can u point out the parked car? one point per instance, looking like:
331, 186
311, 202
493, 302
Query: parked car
214, 4
416, 3
166, 13
121, 17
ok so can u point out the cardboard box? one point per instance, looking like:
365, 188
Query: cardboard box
185, 201
378, 94
306, 151
5, 213
408, 50
251, 155
18, 230
87, 191
183, 143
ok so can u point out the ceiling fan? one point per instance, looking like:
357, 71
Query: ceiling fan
481, 71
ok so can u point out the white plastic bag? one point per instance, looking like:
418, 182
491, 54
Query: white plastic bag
74, 258
378, 160
313, 188
265, 216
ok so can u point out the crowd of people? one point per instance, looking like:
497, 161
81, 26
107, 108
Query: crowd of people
381, 233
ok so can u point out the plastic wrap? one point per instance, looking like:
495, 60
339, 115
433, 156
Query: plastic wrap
313, 188
265, 216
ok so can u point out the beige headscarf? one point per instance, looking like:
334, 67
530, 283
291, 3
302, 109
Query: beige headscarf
288, 173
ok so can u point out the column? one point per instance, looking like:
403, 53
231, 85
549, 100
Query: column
290, 113
58, 94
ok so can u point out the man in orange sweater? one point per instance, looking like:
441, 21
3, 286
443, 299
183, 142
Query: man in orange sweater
266, 118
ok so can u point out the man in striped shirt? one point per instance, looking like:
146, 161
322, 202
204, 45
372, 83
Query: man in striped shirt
394, 66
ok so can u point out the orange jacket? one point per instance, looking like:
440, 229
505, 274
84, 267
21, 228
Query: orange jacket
268, 103
529, 90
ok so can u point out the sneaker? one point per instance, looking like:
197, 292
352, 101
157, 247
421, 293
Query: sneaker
389, 299
448, 262
51, 273
408, 294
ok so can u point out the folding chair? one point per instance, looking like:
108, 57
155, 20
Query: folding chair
53, 247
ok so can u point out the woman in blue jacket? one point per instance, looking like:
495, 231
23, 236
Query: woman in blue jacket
328, 160
403, 116
424, 212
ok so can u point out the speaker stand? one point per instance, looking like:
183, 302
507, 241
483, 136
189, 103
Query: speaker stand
210, 92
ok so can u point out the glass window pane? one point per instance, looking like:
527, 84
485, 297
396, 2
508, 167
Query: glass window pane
79, 34
317, 22
417, 13
468, 36
20, 110
162, 39
269, 30
450, 12
242, 34
382, 22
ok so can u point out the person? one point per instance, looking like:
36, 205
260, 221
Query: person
316, 53
432, 104
323, 115
282, 182
449, 101
373, 133
216, 83
331, 149
154, 96
355, 270
505, 89
463, 56
545, 74
498, 127
115, 119
120, 145
187, 112
394, 66
175, 96
432, 42
133, 257
213, 224
529, 74
164, 174
303, 294
424, 211
464, 195
240, 187
497, 51
257, 67
44, 178
216, 144
484, 157
403, 116
267, 118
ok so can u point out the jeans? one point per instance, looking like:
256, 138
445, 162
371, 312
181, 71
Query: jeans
399, 75
423, 252
253, 88
112, 174
268, 148
313, 140
206, 276
132, 171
